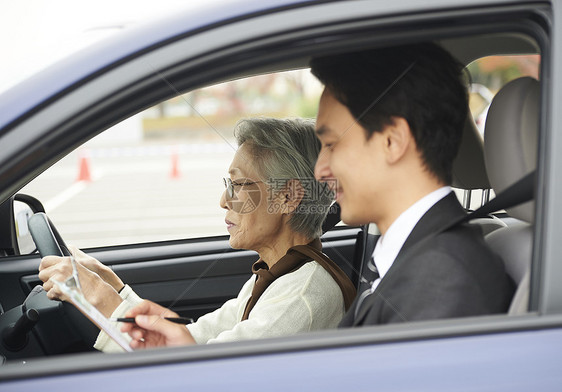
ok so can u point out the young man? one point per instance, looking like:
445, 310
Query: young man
390, 122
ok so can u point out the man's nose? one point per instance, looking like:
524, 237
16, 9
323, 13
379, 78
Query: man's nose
322, 168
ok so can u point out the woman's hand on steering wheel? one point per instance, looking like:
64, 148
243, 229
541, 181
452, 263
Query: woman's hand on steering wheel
98, 292
95, 266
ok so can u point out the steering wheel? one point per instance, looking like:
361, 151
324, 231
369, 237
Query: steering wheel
46, 237
50, 243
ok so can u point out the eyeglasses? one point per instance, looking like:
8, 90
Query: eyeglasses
229, 185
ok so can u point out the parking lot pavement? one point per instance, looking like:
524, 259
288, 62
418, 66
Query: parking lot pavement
134, 198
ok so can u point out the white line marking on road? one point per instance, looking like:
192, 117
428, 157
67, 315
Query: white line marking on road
65, 195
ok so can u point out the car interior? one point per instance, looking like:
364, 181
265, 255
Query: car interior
161, 271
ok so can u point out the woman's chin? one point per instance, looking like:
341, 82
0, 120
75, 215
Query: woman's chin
238, 239
234, 244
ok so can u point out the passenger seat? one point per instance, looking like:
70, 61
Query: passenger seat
510, 152
469, 171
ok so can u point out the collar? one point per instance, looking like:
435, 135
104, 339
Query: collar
389, 245
289, 258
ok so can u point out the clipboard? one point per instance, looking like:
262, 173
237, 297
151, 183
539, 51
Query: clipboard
71, 287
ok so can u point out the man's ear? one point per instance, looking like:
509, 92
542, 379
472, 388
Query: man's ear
291, 196
397, 138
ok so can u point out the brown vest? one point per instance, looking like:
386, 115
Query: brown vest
295, 258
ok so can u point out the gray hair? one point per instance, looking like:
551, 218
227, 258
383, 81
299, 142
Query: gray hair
284, 150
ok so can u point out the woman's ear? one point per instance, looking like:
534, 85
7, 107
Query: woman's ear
292, 195
397, 139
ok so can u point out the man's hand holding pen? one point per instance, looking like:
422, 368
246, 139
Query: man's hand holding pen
151, 329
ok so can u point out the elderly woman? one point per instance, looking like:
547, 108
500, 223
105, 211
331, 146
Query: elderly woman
273, 206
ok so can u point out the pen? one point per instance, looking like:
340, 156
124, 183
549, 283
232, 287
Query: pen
177, 320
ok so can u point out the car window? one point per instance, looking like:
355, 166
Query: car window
158, 175
489, 74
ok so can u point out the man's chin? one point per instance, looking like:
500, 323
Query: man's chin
352, 218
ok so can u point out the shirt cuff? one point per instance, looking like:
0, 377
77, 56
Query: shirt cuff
192, 328
127, 294
104, 342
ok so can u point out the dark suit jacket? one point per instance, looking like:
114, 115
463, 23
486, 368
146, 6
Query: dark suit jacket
450, 274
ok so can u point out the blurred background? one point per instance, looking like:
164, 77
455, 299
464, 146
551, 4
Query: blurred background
158, 175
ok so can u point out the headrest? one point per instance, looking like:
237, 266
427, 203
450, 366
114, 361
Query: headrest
469, 171
511, 137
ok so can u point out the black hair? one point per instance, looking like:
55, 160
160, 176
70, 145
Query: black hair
421, 83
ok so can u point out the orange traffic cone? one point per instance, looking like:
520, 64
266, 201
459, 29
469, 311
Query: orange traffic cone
84, 168
175, 172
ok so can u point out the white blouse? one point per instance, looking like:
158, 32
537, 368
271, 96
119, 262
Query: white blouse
305, 300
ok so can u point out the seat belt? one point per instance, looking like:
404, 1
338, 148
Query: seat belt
518, 193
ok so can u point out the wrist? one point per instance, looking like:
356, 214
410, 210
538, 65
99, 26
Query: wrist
106, 300
112, 279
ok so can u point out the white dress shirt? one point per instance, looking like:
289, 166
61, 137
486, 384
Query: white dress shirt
389, 245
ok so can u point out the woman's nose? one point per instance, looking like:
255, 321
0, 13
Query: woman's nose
223, 202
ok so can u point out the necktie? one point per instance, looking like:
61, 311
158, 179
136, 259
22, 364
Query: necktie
368, 276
